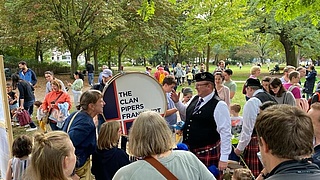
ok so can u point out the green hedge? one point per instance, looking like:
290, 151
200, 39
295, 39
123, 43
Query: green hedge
38, 67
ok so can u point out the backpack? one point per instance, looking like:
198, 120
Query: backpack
161, 77
23, 117
304, 105
310, 99
264, 97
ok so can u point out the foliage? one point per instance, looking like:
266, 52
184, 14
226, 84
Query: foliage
160, 31
146, 10
160, 56
207, 24
287, 10
291, 33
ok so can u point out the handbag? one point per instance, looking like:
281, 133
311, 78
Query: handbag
161, 168
23, 117
49, 116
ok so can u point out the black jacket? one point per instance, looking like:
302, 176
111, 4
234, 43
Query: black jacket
105, 163
295, 170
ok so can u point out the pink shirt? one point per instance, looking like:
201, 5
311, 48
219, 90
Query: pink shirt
295, 91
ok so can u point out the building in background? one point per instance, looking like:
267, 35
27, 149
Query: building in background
59, 56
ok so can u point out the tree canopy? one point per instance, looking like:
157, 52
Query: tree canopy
157, 31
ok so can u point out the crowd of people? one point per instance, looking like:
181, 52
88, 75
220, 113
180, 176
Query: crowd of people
276, 136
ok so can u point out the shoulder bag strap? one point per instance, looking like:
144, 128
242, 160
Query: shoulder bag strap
54, 103
69, 125
291, 88
58, 97
284, 98
161, 168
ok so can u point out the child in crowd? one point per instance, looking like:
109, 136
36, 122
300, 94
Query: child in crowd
236, 126
40, 115
187, 94
12, 99
236, 120
189, 77
108, 158
168, 84
242, 174
21, 148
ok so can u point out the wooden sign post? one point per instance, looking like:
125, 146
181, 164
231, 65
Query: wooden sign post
6, 137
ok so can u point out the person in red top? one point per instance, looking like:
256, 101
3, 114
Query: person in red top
55, 99
160, 74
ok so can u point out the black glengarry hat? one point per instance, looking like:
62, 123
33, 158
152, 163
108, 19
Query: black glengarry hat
204, 76
252, 82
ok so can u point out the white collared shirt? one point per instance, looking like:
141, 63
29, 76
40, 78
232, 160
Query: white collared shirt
222, 117
250, 113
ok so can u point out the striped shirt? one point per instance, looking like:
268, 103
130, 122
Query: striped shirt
18, 167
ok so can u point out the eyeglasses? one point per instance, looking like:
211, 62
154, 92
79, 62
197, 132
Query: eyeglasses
198, 85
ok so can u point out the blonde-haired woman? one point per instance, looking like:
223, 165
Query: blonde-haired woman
150, 137
52, 158
108, 158
255, 71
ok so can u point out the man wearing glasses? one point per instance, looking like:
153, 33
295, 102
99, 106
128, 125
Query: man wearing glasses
207, 126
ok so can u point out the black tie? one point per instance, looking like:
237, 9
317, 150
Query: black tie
197, 106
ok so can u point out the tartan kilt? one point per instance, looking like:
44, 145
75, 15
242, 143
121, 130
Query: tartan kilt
251, 157
208, 155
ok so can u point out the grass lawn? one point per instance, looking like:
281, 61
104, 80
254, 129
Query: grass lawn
239, 75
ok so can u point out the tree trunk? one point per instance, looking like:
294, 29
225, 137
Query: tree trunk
289, 49
41, 56
95, 59
109, 58
37, 52
74, 63
216, 59
167, 52
120, 52
119, 58
262, 59
208, 57
179, 53
87, 55
21, 51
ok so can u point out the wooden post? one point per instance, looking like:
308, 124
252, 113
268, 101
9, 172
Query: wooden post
6, 137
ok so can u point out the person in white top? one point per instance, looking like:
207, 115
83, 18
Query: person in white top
285, 78
248, 137
21, 149
207, 129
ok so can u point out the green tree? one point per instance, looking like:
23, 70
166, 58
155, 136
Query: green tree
208, 24
296, 32
77, 25
287, 10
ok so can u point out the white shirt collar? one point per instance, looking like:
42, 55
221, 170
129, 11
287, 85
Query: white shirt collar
208, 97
